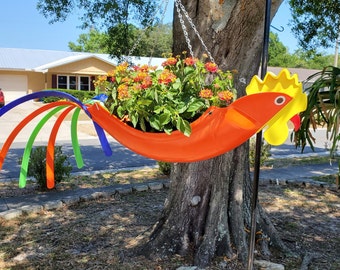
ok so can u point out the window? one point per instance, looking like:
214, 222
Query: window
62, 82
74, 82
84, 83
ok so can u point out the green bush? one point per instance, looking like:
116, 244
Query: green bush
79, 94
265, 152
37, 165
164, 167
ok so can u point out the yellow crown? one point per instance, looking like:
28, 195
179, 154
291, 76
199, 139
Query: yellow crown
277, 128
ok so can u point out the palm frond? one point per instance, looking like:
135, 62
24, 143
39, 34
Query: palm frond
323, 108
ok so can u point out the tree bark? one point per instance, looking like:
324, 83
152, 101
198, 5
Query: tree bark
207, 212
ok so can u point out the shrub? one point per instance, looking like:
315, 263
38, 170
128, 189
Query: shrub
79, 94
164, 167
37, 166
265, 152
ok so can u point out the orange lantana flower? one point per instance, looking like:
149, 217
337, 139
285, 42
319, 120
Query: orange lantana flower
225, 95
140, 76
211, 67
190, 61
122, 67
123, 91
147, 82
166, 77
170, 62
206, 93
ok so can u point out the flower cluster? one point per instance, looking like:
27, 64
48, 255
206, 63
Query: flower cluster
167, 98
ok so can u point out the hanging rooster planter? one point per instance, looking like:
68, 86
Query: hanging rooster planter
268, 106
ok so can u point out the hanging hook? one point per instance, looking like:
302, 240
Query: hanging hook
277, 29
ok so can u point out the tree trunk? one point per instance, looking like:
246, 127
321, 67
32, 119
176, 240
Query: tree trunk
207, 212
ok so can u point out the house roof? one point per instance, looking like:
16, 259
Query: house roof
70, 59
302, 73
42, 60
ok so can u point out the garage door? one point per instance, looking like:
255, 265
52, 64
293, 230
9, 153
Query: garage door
13, 86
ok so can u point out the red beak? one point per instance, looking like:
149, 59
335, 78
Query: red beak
296, 120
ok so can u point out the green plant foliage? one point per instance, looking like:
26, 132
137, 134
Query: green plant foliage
79, 94
151, 42
323, 109
93, 41
278, 53
279, 56
164, 167
37, 165
163, 100
265, 152
117, 18
315, 23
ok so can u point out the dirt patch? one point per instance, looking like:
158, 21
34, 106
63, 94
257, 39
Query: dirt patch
100, 234
308, 220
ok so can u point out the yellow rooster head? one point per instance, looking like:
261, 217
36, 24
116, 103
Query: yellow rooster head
277, 130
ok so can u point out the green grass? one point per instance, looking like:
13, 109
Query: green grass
284, 162
329, 179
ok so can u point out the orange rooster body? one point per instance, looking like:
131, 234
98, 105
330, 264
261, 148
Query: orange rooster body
217, 131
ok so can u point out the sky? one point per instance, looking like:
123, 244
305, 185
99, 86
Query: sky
22, 26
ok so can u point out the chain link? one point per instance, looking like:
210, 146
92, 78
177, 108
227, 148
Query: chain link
180, 8
185, 32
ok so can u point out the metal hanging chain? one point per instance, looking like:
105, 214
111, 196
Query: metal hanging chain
184, 28
149, 23
180, 8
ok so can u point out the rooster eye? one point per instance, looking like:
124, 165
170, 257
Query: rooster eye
280, 100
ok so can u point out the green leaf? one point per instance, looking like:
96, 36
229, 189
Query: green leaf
114, 93
158, 109
183, 126
182, 107
120, 111
170, 110
188, 70
195, 106
156, 96
155, 122
164, 118
177, 84
168, 130
134, 118
142, 123
145, 102
170, 96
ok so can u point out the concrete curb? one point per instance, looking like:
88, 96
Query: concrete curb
30, 204
17, 206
